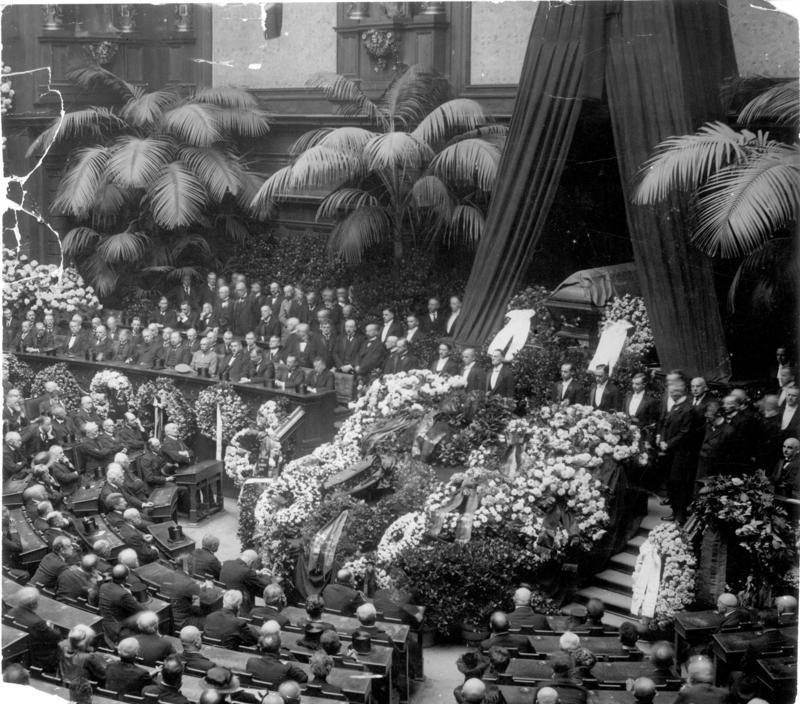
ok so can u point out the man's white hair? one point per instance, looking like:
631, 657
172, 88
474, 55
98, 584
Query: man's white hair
232, 599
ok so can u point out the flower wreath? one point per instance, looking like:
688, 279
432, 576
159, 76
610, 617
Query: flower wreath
405, 533
18, 373
115, 386
170, 398
358, 568
242, 455
70, 391
235, 414
678, 563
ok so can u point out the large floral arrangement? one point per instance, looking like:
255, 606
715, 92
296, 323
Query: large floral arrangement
252, 453
59, 373
28, 285
163, 393
633, 310
744, 509
235, 414
17, 373
115, 387
678, 564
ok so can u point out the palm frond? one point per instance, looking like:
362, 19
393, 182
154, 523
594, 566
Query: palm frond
194, 123
344, 200
466, 226
234, 229
493, 133
686, 161
348, 96
430, 193
321, 166
743, 205
411, 95
397, 151
270, 192
308, 139
148, 108
351, 139
471, 162
774, 266
245, 123
78, 241
123, 247
187, 241
103, 276
108, 203
450, 118
226, 97
780, 103
94, 77
250, 185
88, 124
136, 161
358, 232
218, 169
78, 188
177, 196
177, 273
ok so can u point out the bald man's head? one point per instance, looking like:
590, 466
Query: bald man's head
644, 689
473, 691
522, 597
547, 695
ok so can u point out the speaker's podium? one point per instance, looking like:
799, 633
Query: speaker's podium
204, 483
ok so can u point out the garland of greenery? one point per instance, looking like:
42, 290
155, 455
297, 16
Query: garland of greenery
71, 392
177, 408
235, 414
117, 389
18, 374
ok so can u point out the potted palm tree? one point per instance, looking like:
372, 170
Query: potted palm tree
157, 175
420, 171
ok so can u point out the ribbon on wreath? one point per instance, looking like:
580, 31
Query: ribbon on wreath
648, 581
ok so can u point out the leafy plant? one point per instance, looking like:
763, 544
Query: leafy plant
156, 176
18, 374
423, 177
71, 392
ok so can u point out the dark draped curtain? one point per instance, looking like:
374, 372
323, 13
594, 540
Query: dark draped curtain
661, 65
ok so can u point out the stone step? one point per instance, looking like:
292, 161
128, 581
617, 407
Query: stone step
614, 580
614, 601
623, 562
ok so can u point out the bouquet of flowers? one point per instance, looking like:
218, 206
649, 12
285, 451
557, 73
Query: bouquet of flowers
102, 408
358, 567
17, 373
235, 414
28, 285
59, 373
633, 310
6, 91
116, 387
270, 416
162, 393
676, 590
241, 455
406, 533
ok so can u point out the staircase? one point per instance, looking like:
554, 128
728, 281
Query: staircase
613, 586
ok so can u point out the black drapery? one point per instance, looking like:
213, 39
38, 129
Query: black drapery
661, 65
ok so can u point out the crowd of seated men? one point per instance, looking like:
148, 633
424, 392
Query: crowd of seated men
284, 337
566, 671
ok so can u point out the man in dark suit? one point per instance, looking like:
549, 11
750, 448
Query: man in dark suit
131, 530
174, 449
700, 685
167, 688
399, 360
186, 318
239, 574
62, 426
225, 624
164, 316
605, 395
274, 299
125, 676
153, 646
745, 434
327, 340
474, 377
432, 322
641, 405
203, 560
268, 326
320, 378
259, 368
14, 417
524, 615
76, 342
290, 376
234, 366
674, 440
500, 380
223, 310
242, 311
188, 293
304, 346
80, 581
790, 413
415, 337
445, 364
208, 291
501, 637
371, 354
341, 595
292, 306
274, 603
269, 667
54, 563
568, 390
117, 605
192, 644
347, 348
43, 639
786, 475
391, 328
